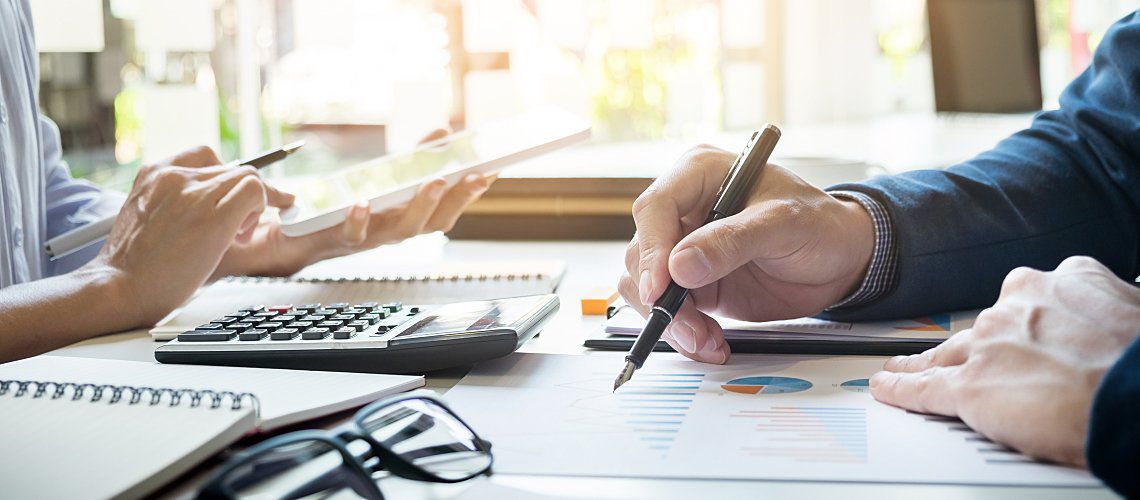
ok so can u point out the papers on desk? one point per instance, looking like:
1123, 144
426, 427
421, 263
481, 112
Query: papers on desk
759, 417
936, 327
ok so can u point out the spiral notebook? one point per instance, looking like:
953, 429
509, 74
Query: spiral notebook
93, 428
450, 282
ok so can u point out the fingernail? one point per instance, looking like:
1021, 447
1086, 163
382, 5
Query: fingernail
879, 378
645, 286
685, 336
437, 188
471, 178
691, 266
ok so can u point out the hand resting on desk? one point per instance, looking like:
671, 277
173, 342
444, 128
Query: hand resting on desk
1026, 374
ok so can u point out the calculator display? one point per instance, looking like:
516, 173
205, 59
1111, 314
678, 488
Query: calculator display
467, 317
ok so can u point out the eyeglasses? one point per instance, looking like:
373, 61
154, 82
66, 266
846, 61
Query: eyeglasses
414, 436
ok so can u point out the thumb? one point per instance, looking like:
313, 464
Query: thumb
715, 250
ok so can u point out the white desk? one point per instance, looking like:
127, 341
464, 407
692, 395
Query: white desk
589, 264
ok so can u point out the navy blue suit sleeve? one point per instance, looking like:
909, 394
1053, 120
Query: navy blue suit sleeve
1114, 428
1068, 185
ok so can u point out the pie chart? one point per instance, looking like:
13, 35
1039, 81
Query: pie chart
856, 385
766, 385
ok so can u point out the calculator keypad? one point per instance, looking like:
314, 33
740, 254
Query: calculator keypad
340, 321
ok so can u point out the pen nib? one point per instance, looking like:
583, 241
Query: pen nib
625, 375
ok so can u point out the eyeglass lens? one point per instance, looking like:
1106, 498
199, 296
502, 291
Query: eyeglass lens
305, 469
430, 437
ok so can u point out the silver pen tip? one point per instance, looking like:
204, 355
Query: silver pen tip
625, 375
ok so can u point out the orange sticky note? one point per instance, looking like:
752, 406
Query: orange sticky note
598, 299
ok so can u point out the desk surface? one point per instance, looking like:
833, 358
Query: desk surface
588, 264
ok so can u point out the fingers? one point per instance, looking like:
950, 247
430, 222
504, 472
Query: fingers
434, 135
954, 351
200, 156
415, 215
697, 336
455, 200
240, 205
657, 213
768, 230
354, 230
928, 391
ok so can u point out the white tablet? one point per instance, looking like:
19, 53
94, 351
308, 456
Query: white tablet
323, 200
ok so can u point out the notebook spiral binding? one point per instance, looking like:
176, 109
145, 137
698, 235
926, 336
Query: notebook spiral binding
392, 279
152, 396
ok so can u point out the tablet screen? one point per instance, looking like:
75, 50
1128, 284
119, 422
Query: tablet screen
484, 149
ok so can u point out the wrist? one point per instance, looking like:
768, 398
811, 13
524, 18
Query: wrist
116, 293
859, 244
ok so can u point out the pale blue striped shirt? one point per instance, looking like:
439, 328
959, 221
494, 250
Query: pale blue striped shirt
38, 197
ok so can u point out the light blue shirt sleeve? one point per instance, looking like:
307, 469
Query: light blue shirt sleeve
69, 202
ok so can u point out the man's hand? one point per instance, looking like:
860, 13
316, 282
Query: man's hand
793, 251
179, 219
435, 207
1026, 374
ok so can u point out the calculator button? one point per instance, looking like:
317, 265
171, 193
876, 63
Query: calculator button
313, 317
252, 310
308, 307
372, 319
358, 325
356, 311
332, 325
383, 328
225, 320
211, 326
325, 312
382, 314
339, 306
271, 325
412, 311
283, 334
240, 314
253, 334
286, 318
393, 307
206, 336
315, 334
264, 315
281, 309
343, 317
343, 333
300, 325
368, 306
241, 326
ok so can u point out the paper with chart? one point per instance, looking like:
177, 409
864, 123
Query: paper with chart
926, 328
759, 417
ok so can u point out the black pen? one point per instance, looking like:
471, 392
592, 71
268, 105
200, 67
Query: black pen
729, 200
82, 236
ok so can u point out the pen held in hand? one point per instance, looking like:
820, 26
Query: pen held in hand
82, 236
730, 200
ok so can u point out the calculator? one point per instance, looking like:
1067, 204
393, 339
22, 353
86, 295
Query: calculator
389, 337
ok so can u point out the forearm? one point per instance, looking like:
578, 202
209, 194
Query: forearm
47, 314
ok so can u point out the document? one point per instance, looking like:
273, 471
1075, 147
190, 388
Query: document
935, 327
759, 417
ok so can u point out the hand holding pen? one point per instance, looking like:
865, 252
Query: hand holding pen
792, 251
730, 198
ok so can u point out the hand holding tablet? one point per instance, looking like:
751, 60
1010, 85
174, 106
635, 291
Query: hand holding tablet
326, 200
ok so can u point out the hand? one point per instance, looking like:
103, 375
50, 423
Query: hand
177, 222
1027, 372
435, 207
792, 251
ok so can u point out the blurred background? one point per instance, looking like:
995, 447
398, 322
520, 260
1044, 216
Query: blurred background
133, 81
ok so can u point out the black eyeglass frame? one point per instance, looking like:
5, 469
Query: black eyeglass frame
339, 439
